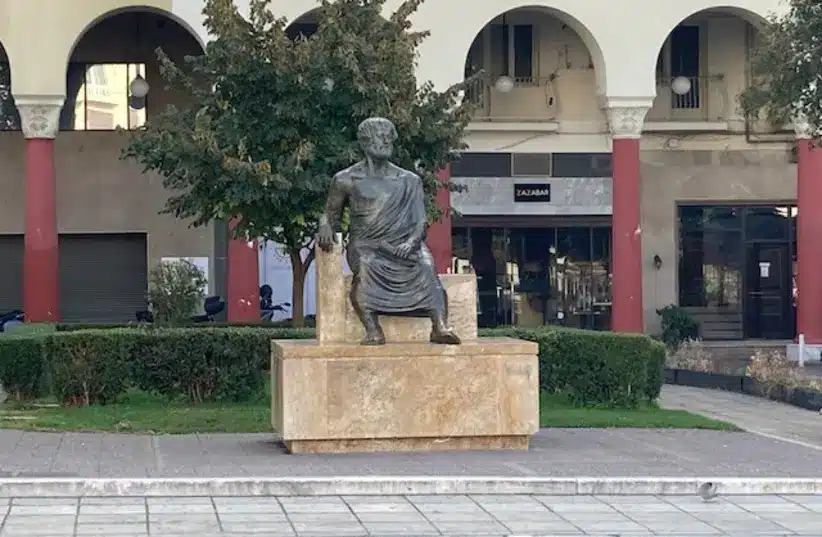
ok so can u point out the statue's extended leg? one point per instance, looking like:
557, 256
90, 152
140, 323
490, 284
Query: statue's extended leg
370, 321
440, 331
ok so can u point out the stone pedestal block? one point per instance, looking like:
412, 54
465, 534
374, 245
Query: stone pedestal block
337, 398
338, 323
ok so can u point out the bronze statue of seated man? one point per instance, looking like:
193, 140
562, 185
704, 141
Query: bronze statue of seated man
394, 272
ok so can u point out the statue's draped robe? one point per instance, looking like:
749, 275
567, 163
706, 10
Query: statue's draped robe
386, 212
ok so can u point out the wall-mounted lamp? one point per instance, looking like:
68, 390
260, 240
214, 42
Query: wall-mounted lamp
657, 262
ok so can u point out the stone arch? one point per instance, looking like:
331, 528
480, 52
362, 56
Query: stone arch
303, 24
754, 18
568, 21
443, 54
128, 36
705, 94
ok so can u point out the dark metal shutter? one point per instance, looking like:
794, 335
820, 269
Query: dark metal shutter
11, 273
103, 277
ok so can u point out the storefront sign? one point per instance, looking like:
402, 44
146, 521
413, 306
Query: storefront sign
532, 192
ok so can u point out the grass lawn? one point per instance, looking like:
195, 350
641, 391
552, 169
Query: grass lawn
141, 412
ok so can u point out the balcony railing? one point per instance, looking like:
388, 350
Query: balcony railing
706, 100
531, 99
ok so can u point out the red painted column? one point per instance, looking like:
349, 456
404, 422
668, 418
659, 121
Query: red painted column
438, 237
809, 240
626, 257
41, 296
243, 286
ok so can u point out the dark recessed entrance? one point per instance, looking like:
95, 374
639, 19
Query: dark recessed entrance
737, 270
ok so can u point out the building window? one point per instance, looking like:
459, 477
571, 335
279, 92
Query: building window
535, 276
9, 118
512, 48
684, 58
98, 97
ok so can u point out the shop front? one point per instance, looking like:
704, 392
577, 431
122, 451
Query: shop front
536, 231
737, 269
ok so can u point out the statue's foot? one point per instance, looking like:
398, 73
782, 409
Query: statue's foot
373, 339
445, 337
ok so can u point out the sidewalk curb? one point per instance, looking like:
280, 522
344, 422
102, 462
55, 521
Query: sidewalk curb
380, 486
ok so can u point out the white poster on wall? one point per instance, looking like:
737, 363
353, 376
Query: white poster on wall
201, 263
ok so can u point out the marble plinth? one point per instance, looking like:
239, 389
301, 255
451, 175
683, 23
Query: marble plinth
342, 398
338, 323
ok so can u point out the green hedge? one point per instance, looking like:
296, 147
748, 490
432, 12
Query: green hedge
212, 363
596, 368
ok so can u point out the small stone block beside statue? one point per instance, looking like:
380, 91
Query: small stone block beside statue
397, 365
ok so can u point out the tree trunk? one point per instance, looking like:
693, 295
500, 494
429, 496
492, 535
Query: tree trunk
297, 288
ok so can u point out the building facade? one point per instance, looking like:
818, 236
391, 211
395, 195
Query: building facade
609, 172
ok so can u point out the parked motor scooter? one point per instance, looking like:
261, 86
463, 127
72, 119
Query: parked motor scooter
11, 319
267, 307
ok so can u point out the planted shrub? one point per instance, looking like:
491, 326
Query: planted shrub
207, 364
596, 368
21, 365
90, 367
175, 291
677, 326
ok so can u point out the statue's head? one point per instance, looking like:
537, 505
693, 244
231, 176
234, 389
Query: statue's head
377, 136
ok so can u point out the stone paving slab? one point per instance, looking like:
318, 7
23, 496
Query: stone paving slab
754, 414
554, 452
438, 515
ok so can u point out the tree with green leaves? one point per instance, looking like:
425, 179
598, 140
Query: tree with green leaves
271, 118
786, 68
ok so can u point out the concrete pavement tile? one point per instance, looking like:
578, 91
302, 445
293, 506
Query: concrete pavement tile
111, 518
536, 516
323, 518
440, 498
316, 508
108, 500
470, 528
45, 501
389, 517
245, 500
459, 517
190, 508
434, 508
264, 527
178, 500
111, 529
319, 527
550, 500
124, 509
261, 509
58, 521
354, 500
606, 526
39, 530
395, 508
540, 527
401, 528
17, 532
200, 518
43, 510
252, 517
183, 527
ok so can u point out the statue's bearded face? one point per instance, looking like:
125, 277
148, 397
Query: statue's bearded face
377, 137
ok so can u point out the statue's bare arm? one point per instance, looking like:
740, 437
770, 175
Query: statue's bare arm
332, 215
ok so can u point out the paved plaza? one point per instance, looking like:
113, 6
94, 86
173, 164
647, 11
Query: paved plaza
440, 515
554, 453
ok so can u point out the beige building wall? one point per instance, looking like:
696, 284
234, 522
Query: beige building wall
586, 59
96, 190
